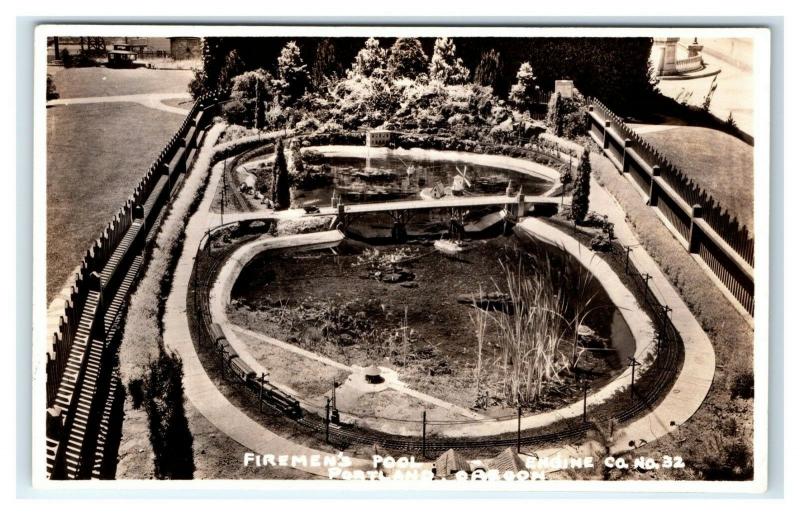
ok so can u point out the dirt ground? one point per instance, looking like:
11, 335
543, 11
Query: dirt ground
216, 456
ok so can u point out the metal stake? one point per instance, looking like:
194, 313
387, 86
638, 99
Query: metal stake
627, 257
424, 427
261, 391
634, 364
327, 419
646, 278
585, 386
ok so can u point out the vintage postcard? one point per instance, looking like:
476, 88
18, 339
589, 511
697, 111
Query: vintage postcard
449, 258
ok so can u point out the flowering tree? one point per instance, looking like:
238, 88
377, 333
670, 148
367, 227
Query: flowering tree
445, 66
292, 73
522, 94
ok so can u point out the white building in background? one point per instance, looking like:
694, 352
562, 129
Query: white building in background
378, 138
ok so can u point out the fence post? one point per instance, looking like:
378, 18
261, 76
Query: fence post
519, 427
694, 231
588, 121
627, 144
606, 126
654, 189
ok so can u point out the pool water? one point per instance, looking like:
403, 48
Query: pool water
360, 180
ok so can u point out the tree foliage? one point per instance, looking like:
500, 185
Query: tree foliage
566, 117
326, 66
52, 93
250, 93
292, 74
523, 92
489, 70
580, 197
280, 172
370, 59
445, 66
407, 59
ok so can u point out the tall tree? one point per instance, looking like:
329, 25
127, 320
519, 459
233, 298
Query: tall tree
555, 114
280, 173
260, 105
292, 73
407, 59
489, 70
445, 66
580, 197
369, 59
206, 78
326, 66
523, 93
231, 67
250, 93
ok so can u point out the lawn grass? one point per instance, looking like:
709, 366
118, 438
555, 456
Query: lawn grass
716, 161
181, 103
96, 154
101, 81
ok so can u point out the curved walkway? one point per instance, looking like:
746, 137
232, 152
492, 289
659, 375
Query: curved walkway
699, 362
200, 390
151, 100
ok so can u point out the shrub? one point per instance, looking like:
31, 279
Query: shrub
170, 436
136, 391
280, 174
580, 199
742, 385
52, 94
66, 58
566, 117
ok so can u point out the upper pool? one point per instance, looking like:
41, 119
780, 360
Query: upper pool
378, 179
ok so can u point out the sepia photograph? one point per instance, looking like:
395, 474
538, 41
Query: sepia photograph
442, 257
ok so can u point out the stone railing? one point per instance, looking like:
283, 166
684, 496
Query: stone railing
689, 64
